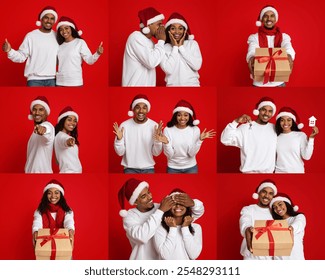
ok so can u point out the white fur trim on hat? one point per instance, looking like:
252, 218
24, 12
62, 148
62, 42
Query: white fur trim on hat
38, 102
176, 20
68, 23
141, 100
289, 114
282, 198
137, 192
262, 104
56, 186
123, 213
265, 185
69, 113
50, 11
269, 9
183, 109
196, 122
155, 19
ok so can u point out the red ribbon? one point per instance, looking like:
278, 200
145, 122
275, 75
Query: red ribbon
269, 72
268, 227
53, 235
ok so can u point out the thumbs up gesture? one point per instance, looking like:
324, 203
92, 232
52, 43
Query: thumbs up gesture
100, 49
6, 47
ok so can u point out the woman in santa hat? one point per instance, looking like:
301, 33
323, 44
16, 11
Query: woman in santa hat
183, 57
73, 50
293, 147
178, 238
53, 211
66, 143
182, 139
282, 208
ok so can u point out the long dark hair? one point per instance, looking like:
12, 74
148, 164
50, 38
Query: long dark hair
173, 121
74, 133
60, 38
44, 204
290, 212
167, 34
279, 130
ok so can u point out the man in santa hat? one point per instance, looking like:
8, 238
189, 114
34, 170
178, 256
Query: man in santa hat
255, 139
40, 49
40, 144
268, 36
142, 55
142, 221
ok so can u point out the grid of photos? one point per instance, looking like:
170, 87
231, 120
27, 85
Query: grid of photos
154, 131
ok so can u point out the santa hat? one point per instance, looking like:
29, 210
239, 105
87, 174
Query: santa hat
39, 100
263, 11
176, 191
265, 184
67, 111
54, 184
131, 191
69, 22
283, 197
178, 18
264, 101
140, 98
148, 16
47, 10
289, 112
185, 106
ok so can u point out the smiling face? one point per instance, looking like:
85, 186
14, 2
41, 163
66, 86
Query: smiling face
144, 202
280, 208
265, 114
286, 124
47, 22
39, 114
70, 124
269, 19
178, 210
177, 30
182, 119
153, 28
140, 112
53, 195
265, 196
66, 33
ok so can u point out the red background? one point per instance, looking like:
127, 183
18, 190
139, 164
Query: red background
197, 186
235, 21
17, 22
87, 196
234, 102
163, 101
235, 191
123, 15
15, 104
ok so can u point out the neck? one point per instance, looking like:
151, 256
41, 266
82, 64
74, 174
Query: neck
259, 121
45, 30
178, 220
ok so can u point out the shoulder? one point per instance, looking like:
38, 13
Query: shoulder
253, 37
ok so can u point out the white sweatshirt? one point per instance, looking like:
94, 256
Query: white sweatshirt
248, 215
183, 146
70, 57
181, 64
66, 156
40, 49
257, 145
141, 57
179, 243
137, 145
253, 43
291, 149
68, 222
39, 151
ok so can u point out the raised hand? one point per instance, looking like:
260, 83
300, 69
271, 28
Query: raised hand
314, 132
207, 134
118, 132
100, 49
40, 130
6, 47
170, 221
166, 204
71, 142
183, 199
187, 221
160, 33
243, 119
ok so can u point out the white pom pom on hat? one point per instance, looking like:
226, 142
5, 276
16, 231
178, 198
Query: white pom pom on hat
148, 16
258, 23
178, 18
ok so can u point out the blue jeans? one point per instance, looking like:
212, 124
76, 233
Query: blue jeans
41, 83
138, 171
190, 170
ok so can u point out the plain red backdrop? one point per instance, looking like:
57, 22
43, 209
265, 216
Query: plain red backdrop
163, 101
197, 186
234, 102
235, 191
235, 21
87, 196
15, 103
17, 22
123, 20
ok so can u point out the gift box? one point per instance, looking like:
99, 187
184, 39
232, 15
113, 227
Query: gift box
271, 238
271, 65
53, 245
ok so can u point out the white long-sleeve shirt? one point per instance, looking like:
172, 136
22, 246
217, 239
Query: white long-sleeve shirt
140, 227
39, 151
183, 146
248, 215
66, 156
298, 223
137, 145
253, 43
141, 57
292, 148
178, 243
70, 57
40, 49
68, 222
257, 145
181, 64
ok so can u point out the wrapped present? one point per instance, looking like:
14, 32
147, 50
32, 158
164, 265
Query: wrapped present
271, 65
53, 245
271, 238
